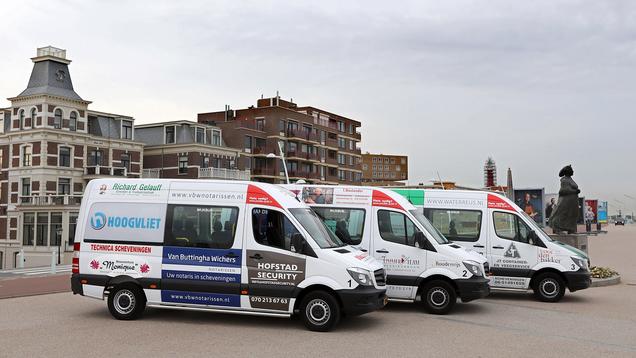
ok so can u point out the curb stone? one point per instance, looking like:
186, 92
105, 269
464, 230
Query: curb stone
600, 282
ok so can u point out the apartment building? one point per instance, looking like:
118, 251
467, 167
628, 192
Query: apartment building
318, 146
187, 149
384, 169
51, 145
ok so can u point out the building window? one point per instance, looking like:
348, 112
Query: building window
341, 126
341, 159
200, 135
281, 126
64, 157
72, 124
260, 125
28, 229
26, 189
21, 118
205, 162
342, 175
352, 160
352, 145
64, 186
72, 225
392, 160
386, 160
57, 121
170, 137
26, 156
247, 144
33, 112
124, 161
183, 165
126, 130
342, 143
365, 167
42, 229
95, 158
216, 138
56, 229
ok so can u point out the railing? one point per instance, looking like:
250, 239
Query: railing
151, 173
264, 171
46, 200
303, 134
222, 173
102, 170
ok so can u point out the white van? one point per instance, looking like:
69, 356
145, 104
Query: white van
420, 263
217, 245
521, 254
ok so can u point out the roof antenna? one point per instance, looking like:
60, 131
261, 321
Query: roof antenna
440, 181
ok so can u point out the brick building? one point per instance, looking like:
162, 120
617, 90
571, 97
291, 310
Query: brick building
186, 149
319, 146
384, 169
51, 145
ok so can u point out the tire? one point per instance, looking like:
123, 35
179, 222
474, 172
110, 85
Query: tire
320, 311
126, 302
549, 287
438, 297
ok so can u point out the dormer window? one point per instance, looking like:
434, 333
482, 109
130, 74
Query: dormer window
216, 138
57, 121
33, 112
126, 130
21, 118
72, 124
200, 136
170, 137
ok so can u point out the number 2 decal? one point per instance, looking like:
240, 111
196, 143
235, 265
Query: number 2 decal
465, 273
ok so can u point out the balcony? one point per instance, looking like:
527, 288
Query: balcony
303, 134
151, 173
264, 172
222, 173
99, 170
50, 200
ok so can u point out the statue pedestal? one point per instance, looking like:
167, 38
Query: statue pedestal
577, 240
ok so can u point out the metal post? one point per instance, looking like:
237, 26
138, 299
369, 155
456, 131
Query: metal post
53, 266
20, 262
282, 157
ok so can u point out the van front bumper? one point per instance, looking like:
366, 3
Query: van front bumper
472, 288
578, 280
76, 285
361, 300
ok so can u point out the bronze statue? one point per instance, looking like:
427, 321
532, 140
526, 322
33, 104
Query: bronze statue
566, 213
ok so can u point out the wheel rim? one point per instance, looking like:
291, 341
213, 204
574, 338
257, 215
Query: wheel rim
124, 301
318, 311
438, 297
549, 288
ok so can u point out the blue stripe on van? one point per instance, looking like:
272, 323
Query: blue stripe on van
201, 257
200, 298
201, 276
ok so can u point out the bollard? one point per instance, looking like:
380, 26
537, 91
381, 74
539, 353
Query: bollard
598, 226
20, 259
53, 260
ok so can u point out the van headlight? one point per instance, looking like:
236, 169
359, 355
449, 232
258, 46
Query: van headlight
579, 262
473, 267
361, 276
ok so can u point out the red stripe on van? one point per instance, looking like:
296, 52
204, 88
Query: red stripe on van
256, 195
496, 202
381, 199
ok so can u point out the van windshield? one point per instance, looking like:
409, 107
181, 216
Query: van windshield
316, 228
419, 216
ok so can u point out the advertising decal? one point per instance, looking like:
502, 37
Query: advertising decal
495, 202
591, 206
121, 221
275, 271
602, 212
381, 199
258, 196
531, 202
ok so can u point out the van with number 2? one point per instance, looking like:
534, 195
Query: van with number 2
521, 255
224, 246
421, 265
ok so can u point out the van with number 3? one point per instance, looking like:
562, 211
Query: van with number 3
224, 246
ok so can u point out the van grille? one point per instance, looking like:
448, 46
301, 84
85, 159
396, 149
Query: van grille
380, 277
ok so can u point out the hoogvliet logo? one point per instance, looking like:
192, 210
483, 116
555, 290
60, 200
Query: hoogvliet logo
99, 220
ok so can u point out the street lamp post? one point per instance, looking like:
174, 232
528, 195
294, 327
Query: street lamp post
58, 234
282, 157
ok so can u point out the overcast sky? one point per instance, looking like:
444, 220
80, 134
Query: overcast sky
536, 85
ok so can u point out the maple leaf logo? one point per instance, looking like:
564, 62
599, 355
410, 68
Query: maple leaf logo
94, 264
144, 268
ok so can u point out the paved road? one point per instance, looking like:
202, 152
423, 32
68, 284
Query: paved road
590, 323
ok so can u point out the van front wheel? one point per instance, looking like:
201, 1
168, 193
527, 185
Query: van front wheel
438, 297
126, 302
549, 287
320, 311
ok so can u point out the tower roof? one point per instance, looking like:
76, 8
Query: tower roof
50, 75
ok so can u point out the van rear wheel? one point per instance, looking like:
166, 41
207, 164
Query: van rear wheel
549, 287
438, 297
320, 311
126, 302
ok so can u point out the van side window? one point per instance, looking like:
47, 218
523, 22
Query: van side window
273, 228
396, 227
510, 227
456, 225
347, 224
200, 226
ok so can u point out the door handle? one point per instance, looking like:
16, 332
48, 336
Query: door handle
383, 251
256, 257
497, 247
363, 250
479, 246
230, 255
